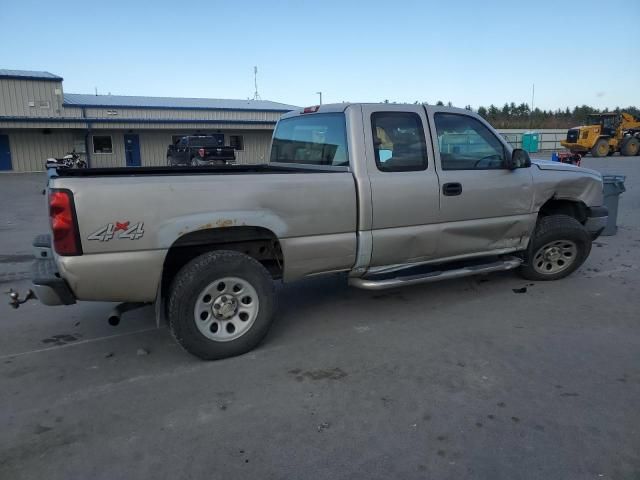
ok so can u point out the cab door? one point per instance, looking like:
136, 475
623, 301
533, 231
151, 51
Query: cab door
484, 206
404, 185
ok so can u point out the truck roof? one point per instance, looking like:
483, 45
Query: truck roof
341, 107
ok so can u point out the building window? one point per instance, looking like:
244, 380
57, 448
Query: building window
44, 104
236, 141
102, 144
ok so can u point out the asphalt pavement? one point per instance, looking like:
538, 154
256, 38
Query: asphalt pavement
452, 380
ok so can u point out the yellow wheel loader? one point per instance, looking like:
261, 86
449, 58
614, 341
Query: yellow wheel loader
604, 134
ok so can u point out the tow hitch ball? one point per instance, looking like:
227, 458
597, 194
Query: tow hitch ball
14, 298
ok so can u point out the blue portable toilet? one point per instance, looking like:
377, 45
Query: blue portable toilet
530, 141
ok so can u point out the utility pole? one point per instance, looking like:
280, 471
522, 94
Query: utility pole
320, 93
533, 94
256, 95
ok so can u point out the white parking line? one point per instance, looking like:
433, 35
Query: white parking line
81, 342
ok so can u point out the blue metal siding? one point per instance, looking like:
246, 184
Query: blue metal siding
173, 103
29, 75
135, 120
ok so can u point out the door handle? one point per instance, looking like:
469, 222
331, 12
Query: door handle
451, 189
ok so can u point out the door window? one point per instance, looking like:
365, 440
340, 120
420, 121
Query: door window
398, 141
466, 144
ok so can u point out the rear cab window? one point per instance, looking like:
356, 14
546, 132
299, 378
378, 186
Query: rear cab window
399, 142
315, 139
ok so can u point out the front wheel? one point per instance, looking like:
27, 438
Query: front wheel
560, 244
221, 305
601, 148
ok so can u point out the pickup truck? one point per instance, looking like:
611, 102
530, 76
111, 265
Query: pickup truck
199, 150
388, 195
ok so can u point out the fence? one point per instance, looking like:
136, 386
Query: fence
549, 138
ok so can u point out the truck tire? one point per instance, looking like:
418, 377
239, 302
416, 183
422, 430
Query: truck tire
601, 148
560, 244
221, 304
630, 146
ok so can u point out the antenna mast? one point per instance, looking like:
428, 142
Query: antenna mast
256, 95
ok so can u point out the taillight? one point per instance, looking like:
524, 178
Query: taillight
313, 109
66, 237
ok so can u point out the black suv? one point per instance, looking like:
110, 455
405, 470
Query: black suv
197, 150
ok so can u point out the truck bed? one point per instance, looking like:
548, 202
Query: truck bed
188, 170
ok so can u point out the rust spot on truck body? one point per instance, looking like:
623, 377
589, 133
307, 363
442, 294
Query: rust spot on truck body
223, 223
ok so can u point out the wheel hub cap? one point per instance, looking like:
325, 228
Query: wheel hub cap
226, 309
552, 254
555, 256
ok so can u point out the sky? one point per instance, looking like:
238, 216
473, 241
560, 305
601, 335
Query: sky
467, 52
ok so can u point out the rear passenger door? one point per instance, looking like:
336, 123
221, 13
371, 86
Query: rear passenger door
484, 206
404, 185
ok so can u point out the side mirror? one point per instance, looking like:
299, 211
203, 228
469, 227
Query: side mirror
519, 159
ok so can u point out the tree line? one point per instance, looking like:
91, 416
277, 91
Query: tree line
521, 116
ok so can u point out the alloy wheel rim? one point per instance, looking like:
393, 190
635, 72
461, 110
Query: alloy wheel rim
226, 309
555, 257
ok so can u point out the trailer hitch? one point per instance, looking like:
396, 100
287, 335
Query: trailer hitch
14, 298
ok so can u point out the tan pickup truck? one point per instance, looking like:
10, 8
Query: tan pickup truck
390, 195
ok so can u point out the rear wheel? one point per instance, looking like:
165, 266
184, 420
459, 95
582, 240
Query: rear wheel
221, 304
630, 146
560, 244
601, 148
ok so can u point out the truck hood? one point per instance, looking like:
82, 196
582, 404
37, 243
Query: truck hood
564, 167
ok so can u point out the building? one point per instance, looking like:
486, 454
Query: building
39, 120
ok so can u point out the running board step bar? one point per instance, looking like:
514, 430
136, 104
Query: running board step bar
383, 282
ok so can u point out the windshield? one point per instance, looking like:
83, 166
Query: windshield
318, 139
607, 121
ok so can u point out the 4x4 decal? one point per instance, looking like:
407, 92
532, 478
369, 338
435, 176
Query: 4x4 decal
118, 230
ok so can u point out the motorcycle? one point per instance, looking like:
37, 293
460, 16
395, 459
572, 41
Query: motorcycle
70, 160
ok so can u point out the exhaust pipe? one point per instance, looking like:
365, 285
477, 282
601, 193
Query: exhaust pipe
116, 313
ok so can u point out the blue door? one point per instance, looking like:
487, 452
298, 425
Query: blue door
132, 150
5, 153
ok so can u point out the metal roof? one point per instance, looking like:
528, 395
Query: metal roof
28, 75
172, 103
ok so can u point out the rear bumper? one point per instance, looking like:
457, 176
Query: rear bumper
596, 221
49, 286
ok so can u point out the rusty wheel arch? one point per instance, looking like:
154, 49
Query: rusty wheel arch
257, 242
